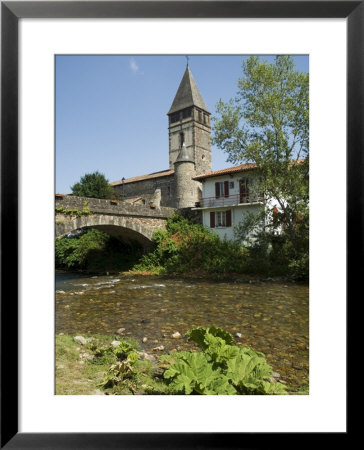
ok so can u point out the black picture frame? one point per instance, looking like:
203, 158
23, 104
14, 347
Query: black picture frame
11, 12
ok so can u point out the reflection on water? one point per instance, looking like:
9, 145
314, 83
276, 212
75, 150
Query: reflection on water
272, 317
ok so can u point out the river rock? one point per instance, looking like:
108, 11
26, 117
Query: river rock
159, 348
80, 340
115, 344
144, 356
238, 335
86, 356
176, 335
276, 375
145, 339
120, 331
60, 292
158, 372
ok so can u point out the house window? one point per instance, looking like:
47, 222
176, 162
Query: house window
244, 190
231, 185
222, 189
220, 219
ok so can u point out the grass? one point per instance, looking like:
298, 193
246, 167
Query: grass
77, 376
73, 377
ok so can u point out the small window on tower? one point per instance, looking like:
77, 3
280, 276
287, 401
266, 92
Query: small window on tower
175, 117
181, 139
186, 113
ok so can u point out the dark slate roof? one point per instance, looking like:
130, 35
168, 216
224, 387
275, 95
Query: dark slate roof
187, 94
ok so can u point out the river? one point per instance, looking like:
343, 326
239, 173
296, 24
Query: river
272, 317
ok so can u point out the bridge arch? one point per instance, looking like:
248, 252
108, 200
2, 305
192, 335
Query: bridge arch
127, 229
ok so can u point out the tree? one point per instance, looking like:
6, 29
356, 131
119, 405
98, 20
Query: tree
93, 185
268, 124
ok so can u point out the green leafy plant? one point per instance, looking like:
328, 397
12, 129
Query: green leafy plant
221, 368
185, 246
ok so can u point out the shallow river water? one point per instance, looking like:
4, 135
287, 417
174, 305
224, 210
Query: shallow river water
272, 317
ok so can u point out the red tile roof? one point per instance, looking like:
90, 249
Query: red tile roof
240, 168
163, 173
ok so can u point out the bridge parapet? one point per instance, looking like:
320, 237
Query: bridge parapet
112, 207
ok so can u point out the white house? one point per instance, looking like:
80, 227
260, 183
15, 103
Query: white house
227, 198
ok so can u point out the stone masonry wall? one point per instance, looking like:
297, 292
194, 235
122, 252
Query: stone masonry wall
146, 189
102, 206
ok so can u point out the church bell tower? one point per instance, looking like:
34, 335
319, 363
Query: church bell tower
189, 126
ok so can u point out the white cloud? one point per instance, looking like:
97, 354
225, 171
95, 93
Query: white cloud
133, 65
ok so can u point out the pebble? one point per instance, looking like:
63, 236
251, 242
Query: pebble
60, 292
238, 335
146, 356
145, 339
80, 340
120, 331
176, 335
276, 375
159, 348
115, 344
86, 356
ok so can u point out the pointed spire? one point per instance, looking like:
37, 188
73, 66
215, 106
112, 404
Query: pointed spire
185, 155
187, 94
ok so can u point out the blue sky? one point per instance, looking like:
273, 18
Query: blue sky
111, 110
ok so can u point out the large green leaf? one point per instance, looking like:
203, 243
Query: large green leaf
198, 335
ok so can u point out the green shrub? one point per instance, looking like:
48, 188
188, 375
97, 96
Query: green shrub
185, 246
220, 369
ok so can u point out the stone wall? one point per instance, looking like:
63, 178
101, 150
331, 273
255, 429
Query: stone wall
112, 207
146, 189
194, 215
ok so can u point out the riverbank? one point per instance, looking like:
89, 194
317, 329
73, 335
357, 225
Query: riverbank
115, 365
193, 275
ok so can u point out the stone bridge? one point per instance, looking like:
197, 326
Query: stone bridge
128, 223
